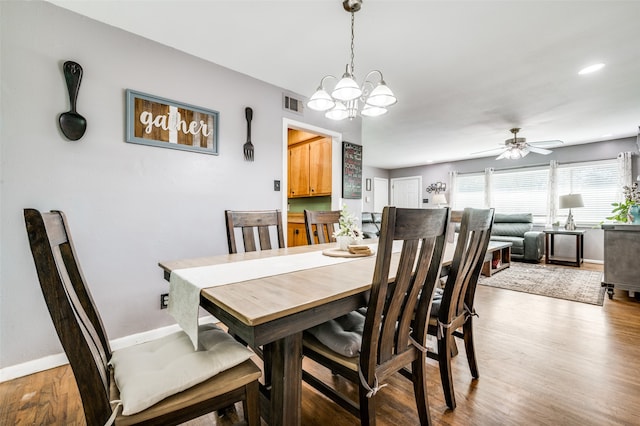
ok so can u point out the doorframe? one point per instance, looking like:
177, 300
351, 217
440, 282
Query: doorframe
336, 162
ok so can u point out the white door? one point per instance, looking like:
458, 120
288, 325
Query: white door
380, 194
405, 192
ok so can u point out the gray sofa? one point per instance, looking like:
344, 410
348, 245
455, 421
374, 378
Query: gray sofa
517, 228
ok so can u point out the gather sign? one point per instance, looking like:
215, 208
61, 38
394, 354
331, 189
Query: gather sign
170, 124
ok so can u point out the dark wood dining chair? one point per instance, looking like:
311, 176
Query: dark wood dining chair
391, 337
84, 339
452, 306
250, 222
320, 226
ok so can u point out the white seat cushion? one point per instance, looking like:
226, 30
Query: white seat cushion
151, 371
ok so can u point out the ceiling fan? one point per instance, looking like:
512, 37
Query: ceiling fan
515, 147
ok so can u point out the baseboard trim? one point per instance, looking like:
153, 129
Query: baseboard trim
599, 262
56, 360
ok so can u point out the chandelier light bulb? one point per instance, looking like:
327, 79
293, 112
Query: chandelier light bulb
347, 89
321, 101
381, 96
373, 111
338, 112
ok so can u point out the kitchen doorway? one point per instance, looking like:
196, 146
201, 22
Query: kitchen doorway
329, 199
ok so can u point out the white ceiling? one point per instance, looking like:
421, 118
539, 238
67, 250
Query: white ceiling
464, 72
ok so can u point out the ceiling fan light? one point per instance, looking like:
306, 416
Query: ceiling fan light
321, 101
381, 96
373, 111
338, 112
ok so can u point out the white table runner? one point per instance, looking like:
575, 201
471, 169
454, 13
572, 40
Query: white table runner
185, 284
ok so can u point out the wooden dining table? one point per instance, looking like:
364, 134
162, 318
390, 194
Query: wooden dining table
275, 310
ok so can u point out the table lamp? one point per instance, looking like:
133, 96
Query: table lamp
570, 201
439, 199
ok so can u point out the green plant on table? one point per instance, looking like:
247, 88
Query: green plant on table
620, 212
347, 225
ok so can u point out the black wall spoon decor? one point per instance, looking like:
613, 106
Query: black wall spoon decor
72, 124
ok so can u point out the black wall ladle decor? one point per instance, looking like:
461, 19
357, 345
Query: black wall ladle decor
72, 124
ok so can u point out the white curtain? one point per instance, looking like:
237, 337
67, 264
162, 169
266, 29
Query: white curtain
488, 183
453, 189
624, 172
552, 192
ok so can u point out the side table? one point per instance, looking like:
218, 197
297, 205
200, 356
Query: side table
549, 249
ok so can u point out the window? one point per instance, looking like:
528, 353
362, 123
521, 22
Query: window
597, 182
527, 190
469, 191
523, 190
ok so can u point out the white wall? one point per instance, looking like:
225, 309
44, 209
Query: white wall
129, 206
369, 172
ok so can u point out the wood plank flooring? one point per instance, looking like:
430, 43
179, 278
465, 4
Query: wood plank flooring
542, 361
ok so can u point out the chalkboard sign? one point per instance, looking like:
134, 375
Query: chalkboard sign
351, 171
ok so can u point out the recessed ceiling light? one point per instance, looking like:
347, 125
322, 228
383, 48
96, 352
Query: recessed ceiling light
591, 68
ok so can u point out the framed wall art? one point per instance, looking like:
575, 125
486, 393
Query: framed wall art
351, 171
156, 121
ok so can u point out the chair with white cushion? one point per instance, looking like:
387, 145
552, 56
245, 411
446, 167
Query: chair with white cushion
158, 382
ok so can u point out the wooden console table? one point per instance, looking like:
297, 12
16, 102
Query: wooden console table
549, 243
621, 247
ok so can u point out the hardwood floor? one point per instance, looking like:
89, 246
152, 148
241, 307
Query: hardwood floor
542, 361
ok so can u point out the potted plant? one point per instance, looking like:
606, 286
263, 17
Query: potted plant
629, 209
348, 230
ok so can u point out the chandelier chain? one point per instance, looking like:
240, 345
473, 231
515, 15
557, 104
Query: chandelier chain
353, 72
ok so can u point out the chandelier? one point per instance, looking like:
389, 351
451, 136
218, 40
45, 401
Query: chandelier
347, 97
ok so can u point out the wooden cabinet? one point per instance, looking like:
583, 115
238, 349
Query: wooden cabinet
310, 168
296, 233
320, 167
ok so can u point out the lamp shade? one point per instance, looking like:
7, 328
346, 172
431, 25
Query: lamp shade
571, 201
381, 96
321, 101
439, 199
347, 89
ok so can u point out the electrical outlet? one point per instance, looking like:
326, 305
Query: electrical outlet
276, 185
164, 301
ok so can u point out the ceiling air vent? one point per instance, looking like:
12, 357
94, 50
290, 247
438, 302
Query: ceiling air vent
292, 104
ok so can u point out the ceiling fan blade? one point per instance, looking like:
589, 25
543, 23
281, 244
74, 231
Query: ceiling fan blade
503, 155
546, 144
539, 150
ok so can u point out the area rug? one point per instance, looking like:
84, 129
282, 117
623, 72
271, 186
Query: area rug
551, 281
